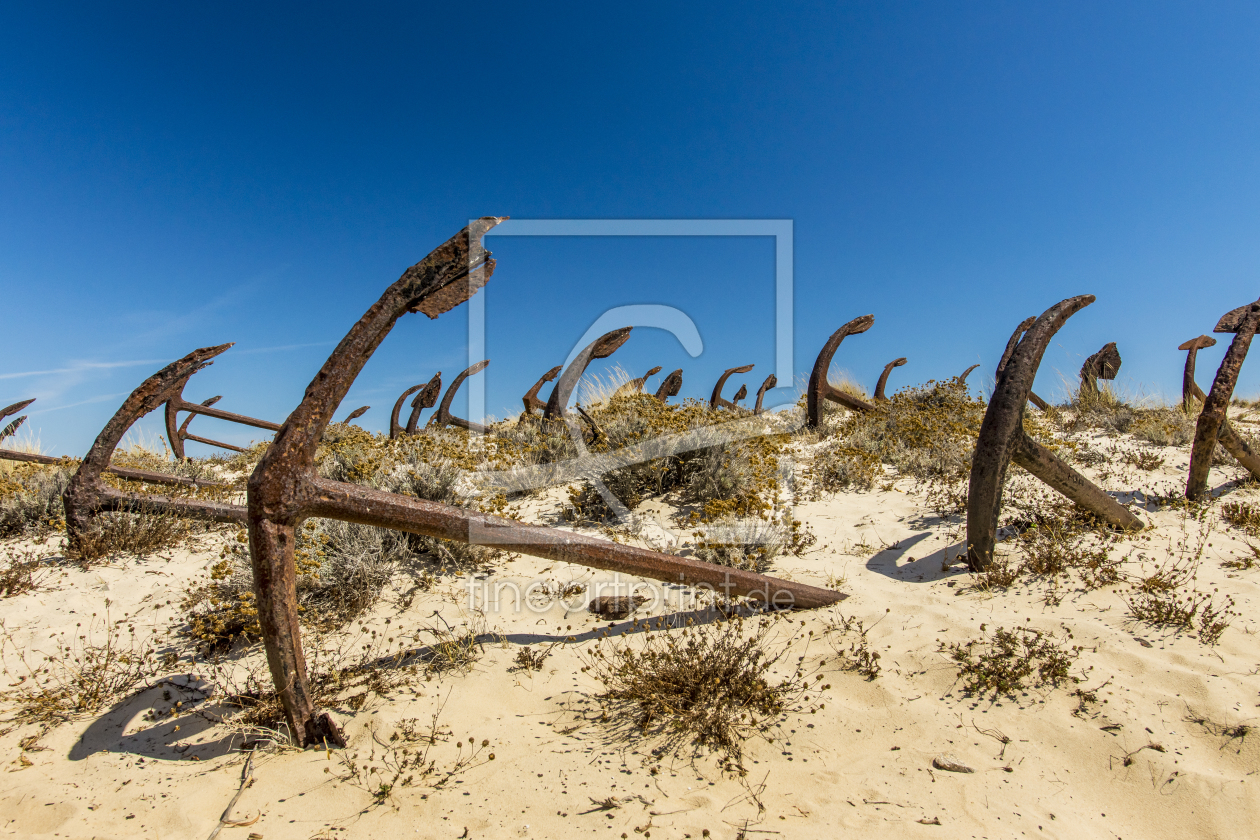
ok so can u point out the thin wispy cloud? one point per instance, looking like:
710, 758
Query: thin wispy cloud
280, 347
97, 399
82, 367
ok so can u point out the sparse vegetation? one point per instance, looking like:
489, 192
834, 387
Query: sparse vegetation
20, 572
858, 656
86, 671
1011, 661
711, 686
403, 761
141, 533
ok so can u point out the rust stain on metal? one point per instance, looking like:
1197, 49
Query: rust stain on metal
819, 388
1011, 344
1002, 439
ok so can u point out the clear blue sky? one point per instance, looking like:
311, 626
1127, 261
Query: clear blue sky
178, 175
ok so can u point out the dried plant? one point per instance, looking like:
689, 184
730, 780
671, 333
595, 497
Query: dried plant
86, 671
403, 760
20, 572
858, 656
141, 533
1010, 661
711, 686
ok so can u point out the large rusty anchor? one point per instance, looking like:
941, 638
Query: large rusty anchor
820, 389
670, 387
531, 399
443, 417
86, 495
883, 378
716, 400
177, 434
600, 348
285, 489
770, 382
1213, 425
1105, 364
1002, 439
1006, 357
122, 472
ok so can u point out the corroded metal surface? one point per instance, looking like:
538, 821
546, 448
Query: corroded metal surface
1105, 364
12, 427
284, 490
531, 399
1002, 439
771, 381
427, 398
819, 388
86, 494
670, 386
716, 400
962, 377
443, 417
1189, 388
1212, 418
177, 434
357, 413
883, 378
1011, 344
600, 348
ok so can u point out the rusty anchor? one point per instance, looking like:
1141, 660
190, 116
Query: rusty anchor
285, 489
177, 434
1006, 357
426, 399
1105, 364
635, 386
883, 378
531, 399
962, 377
600, 348
819, 388
771, 382
443, 417
1002, 439
86, 495
670, 386
1213, 424
1190, 389
356, 414
10, 410
716, 401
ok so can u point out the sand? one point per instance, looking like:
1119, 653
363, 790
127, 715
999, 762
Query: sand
1163, 756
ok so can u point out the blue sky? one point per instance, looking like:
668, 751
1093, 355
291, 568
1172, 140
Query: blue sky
178, 175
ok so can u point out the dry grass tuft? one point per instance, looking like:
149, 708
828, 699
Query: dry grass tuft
140, 534
711, 686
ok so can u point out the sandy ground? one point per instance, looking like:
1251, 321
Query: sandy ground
863, 765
